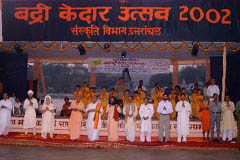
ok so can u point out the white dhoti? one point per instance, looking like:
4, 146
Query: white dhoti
130, 134
146, 130
184, 109
93, 134
146, 110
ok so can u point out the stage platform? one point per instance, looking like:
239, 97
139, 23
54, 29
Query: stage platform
61, 137
61, 140
61, 127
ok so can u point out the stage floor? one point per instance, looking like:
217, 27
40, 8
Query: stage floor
60, 140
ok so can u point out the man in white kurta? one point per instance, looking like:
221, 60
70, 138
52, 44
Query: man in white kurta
146, 112
228, 120
183, 108
93, 133
47, 117
5, 114
130, 112
212, 89
30, 104
164, 109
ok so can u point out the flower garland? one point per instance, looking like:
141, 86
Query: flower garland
114, 47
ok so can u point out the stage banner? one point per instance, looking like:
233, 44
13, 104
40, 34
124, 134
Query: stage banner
134, 65
121, 20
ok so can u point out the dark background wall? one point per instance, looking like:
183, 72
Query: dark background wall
13, 73
232, 75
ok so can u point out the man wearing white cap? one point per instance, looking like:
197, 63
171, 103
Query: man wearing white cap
30, 104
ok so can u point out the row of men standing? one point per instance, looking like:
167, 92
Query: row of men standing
30, 105
130, 111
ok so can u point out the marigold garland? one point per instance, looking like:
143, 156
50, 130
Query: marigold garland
65, 45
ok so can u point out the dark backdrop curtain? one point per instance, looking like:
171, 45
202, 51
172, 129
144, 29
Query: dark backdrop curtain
232, 75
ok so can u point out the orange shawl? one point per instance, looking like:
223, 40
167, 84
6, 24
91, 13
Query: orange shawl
97, 115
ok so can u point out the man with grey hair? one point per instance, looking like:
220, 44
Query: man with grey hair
130, 112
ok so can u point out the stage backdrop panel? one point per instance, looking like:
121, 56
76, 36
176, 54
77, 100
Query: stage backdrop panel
118, 20
13, 73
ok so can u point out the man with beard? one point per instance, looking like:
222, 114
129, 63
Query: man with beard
164, 109
30, 105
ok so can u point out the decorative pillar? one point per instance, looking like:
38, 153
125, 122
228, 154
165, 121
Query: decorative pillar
224, 72
175, 74
208, 70
93, 79
43, 80
36, 76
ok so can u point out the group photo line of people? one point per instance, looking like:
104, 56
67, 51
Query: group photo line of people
165, 104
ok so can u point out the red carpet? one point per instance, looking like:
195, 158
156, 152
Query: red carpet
63, 141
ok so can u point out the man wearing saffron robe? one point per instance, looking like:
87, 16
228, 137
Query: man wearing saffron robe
94, 121
130, 111
146, 113
5, 114
30, 105
198, 100
85, 94
77, 92
104, 100
77, 108
172, 99
113, 111
92, 94
156, 99
113, 93
125, 97
206, 122
137, 100
194, 102
183, 108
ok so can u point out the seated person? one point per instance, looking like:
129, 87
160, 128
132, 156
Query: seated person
17, 106
65, 112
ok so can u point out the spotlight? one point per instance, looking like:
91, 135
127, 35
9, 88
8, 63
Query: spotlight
18, 49
124, 54
195, 50
81, 50
107, 47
